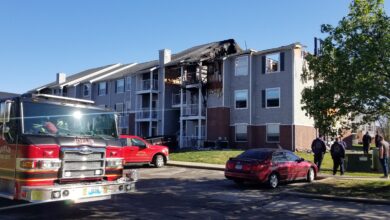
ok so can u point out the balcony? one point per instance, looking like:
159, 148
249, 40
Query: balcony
176, 100
145, 114
147, 86
192, 110
193, 80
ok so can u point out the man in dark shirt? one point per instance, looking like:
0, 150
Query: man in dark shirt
366, 143
337, 151
377, 140
319, 149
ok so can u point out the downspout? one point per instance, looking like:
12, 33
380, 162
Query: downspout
293, 101
151, 103
181, 108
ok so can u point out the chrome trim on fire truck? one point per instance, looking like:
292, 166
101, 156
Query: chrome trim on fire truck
75, 155
77, 192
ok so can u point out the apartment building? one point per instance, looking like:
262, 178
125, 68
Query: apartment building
210, 92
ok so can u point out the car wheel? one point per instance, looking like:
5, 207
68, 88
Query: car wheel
158, 161
310, 175
273, 180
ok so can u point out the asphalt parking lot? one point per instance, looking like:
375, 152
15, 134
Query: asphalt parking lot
184, 193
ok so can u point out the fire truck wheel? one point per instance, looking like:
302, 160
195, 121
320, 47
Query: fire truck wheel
158, 161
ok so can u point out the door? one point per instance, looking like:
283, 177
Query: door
8, 149
298, 168
139, 150
280, 165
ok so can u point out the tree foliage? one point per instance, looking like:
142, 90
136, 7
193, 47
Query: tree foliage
352, 73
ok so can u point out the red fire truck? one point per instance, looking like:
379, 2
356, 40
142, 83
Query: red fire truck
57, 148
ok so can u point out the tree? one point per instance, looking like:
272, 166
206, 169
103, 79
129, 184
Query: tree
352, 73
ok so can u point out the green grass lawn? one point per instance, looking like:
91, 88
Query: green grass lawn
212, 157
221, 156
349, 188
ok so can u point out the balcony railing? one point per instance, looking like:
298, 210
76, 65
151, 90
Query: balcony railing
192, 142
148, 84
193, 78
145, 113
176, 99
193, 110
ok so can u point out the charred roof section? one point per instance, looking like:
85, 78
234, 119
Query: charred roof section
210, 51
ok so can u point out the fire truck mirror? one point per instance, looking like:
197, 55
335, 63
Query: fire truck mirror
5, 110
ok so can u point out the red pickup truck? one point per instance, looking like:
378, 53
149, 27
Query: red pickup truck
139, 151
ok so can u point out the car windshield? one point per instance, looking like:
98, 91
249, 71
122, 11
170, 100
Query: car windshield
60, 120
255, 154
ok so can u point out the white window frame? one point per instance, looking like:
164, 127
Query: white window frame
278, 70
88, 86
116, 86
128, 83
235, 132
266, 134
236, 73
105, 89
266, 97
247, 98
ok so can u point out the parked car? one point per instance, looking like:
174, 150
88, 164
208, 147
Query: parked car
139, 151
268, 165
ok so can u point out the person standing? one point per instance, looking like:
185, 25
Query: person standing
383, 156
366, 143
319, 149
377, 140
337, 151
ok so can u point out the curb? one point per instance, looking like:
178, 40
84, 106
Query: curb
337, 198
195, 166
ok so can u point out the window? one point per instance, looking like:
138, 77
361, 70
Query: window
128, 83
272, 98
273, 133
137, 142
241, 132
241, 66
120, 86
86, 89
102, 88
279, 157
241, 99
292, 157
272, 63
119, 107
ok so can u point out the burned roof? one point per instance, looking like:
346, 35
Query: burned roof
206, 52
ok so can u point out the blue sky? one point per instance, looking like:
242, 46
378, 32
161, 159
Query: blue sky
40, 38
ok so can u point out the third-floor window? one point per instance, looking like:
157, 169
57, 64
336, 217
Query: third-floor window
102, 88
241, 66
86, 90
128, 83
120, 85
